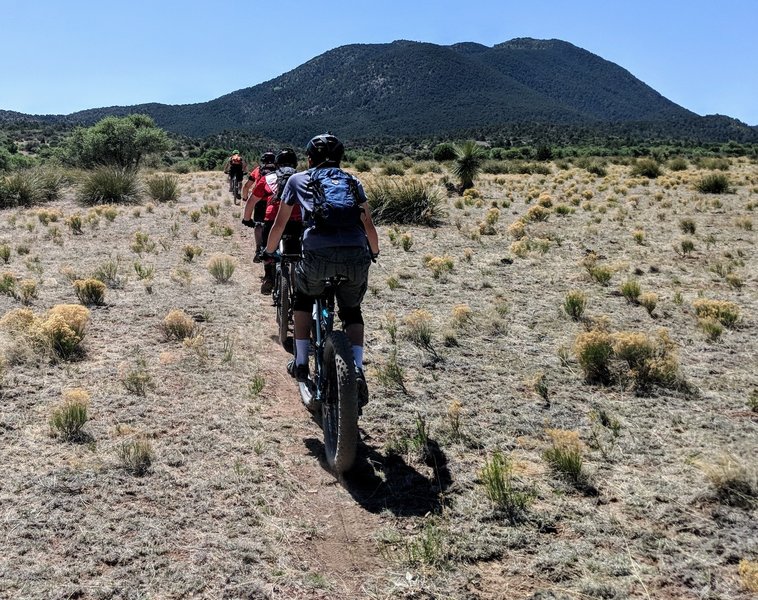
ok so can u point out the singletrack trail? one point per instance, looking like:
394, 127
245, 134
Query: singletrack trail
338, 542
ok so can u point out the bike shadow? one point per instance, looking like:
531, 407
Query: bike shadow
388, 483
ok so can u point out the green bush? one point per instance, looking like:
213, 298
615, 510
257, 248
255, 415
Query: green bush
715, 183
163, 188
393, 169
646, 167
109, 185
574, 304
362, 165
442, 152
23, 188
410, 202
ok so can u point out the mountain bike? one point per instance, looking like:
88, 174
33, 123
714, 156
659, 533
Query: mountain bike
332, 391
236, 189
284, 286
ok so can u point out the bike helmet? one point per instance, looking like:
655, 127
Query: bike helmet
325, 148
235, 151
268, 158
286, 158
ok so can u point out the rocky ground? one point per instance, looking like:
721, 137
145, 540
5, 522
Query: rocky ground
238, 503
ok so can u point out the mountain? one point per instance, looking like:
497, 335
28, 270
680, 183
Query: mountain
411, 89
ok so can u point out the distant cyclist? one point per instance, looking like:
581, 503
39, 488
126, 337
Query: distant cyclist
339, 239
255, 208
235, 167
269, 189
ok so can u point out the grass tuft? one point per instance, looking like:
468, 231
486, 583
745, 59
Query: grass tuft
411, 202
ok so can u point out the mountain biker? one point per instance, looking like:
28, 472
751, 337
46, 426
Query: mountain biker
255, 210
269, 189
235, 167
341, 241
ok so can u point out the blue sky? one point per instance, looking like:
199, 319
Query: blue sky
66, 55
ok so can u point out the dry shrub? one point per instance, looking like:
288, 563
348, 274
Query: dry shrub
177, 325
648, 300
545, 200
68, 419
574, 304
517, 230
90, 291
733, 483
64, 328
646, 360
439, 265
136, 456
749, 575
521, 248
566, 454
222, 267
594, 350
57, 335
631, 290
461, 316
725, 312
27, 291
651, 360
419, 328
537, 213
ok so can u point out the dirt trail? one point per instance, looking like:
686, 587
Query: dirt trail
343, 549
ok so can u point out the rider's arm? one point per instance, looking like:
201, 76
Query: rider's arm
247, 214
279, 223
368, 226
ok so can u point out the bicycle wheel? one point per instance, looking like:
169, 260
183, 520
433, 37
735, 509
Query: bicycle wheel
339, 411
236, 191
283, 305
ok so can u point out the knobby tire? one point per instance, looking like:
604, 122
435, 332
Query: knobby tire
283, 307
339, 412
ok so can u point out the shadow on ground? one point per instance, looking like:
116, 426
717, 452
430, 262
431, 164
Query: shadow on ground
387, 482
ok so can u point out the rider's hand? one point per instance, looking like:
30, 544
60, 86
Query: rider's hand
248, 222
274, 256
374, 256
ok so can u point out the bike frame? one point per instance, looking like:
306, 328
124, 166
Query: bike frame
322, 326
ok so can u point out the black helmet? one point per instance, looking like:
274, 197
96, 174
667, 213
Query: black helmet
268, 158
325, 148
286, 158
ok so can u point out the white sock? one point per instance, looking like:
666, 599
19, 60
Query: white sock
302, 347
358, 356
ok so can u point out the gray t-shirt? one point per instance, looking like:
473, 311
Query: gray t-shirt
297, 192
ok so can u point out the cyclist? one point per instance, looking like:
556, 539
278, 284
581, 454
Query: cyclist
330, 248
235, 167
255, 210
268, 188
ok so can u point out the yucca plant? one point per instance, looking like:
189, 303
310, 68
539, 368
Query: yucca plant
469, 158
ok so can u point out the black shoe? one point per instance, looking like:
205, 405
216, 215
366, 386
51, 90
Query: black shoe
360, 381
257, 256
267, 286
299, 372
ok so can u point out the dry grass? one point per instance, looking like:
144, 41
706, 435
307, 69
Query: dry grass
235, 501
